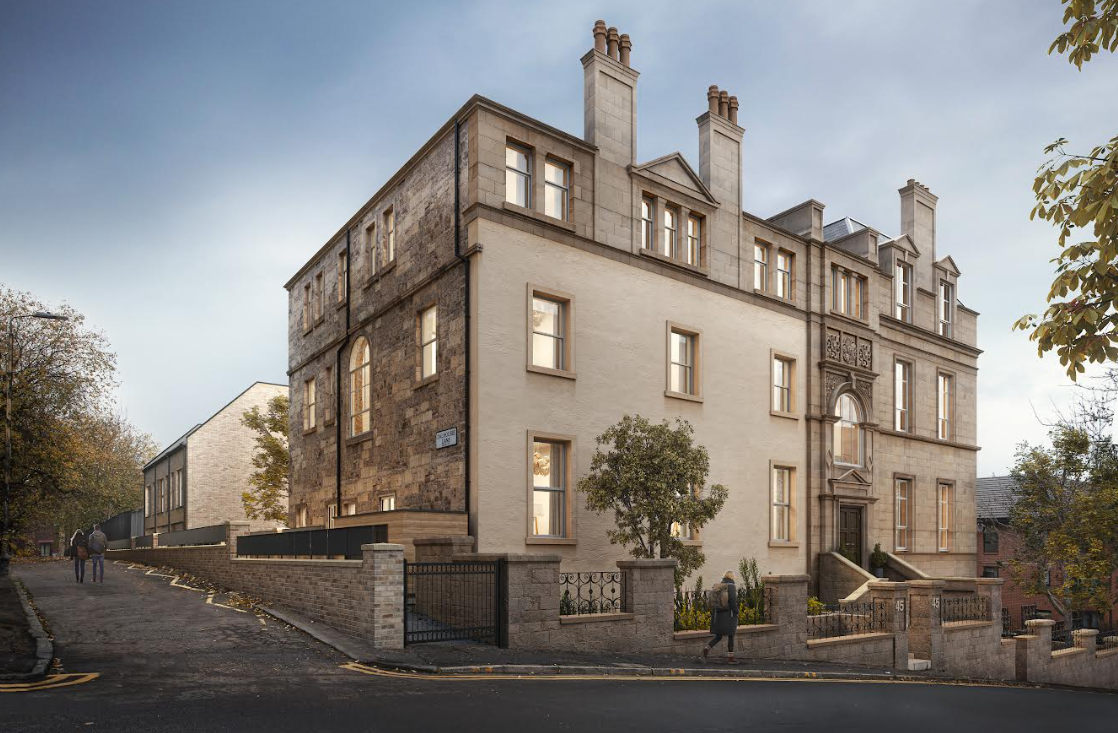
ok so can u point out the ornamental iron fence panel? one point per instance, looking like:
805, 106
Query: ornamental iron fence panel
591, 592
956, 609
850, 619
693, 608
317, 542
455, 601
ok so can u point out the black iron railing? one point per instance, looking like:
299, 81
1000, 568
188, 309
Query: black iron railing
326, 543
1106, 640
850, 619
1062, 639
591, 592
455, 601
212, 535
693, 610
955, 609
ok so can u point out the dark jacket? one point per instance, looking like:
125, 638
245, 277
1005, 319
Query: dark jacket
726, 622
98, 542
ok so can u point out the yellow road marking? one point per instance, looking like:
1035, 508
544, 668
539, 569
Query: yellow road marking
210, 600
177, 584
50, 683
158, 575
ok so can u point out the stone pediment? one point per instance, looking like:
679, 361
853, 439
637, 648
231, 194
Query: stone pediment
852, 478
675, 169
903, 242
949, 264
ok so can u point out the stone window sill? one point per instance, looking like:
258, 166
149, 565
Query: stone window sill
786, 415
341, 304
683, 396
308, 329
551, 372
361, 438
700, 271
379, 274
537, 216
426, 380
592, 618
550, 541
319, 321
793, 544
852, 319
310, 431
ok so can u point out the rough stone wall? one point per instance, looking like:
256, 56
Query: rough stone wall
838, 577
219, 462
398, 456
975, 649
363, 598
1082, 666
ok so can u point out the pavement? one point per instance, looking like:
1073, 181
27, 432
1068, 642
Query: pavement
149, 652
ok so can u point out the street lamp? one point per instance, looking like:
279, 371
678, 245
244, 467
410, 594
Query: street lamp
5, 543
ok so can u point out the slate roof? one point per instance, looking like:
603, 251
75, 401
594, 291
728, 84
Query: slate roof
995, 496
844, 227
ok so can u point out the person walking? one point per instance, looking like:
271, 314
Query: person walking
79, 550
723, 615
98, 543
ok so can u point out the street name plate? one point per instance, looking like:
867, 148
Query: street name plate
446, 438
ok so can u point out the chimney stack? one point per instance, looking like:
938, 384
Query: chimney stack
626, 47
720, 164
724, 103
734, 110
600, 36
712, 98
918, 221
612, 40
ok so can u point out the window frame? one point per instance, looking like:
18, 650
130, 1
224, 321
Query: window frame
785, 279
422, 377
945, 408
565, 188
843, 300
694, 249
945, 309
389, 227
902, 290
310, 401
696, 337
670, 234
987, 532
908, 482
302, 517
648, 223
371, 247
391, 498
568, 537
789, 362
945, 514
905, 392
567, 318
836, 434
761, 265
790, 505
343, 276
308, 321
367, 390
319, 297
526, 176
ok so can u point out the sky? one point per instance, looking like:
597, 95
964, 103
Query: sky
166, 167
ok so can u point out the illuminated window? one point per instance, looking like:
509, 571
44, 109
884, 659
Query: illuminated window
760, 267
848, 432
389, 236
945, 511
301, 517
694, 241
343, 276
518, 176
309, 399
782, 488
360, 402
371, 247
945, 408
902, 396
549, 488
848, 291
903, 497
548, 333
784, 275
349, 508
306, 307
681, 367
945, 307
648, 223
387, 503
556, 189
428, 342
671, 240
782, 384
902, 291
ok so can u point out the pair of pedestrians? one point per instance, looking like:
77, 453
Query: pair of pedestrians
92, 547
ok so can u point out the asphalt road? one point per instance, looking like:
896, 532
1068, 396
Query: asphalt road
171, 661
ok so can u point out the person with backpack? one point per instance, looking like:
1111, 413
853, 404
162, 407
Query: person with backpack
79, 550
723, 615
98, 543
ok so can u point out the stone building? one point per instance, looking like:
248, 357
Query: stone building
197, 481
514, 289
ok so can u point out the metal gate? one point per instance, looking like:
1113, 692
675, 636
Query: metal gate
455, 601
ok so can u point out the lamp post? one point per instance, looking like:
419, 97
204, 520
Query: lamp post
5, 540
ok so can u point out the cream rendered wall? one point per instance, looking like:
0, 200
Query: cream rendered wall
620, 313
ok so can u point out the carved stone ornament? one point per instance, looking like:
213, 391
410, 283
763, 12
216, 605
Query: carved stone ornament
865, 354
833, 347
849, 345
865, 391
834, 380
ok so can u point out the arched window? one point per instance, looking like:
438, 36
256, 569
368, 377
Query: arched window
360, 396
849, 444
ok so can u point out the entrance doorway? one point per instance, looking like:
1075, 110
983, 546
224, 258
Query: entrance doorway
850, 533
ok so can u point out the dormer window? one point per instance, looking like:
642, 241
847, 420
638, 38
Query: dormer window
648, 223
694, 240
946, 306
671, 233
518, 176
902, 292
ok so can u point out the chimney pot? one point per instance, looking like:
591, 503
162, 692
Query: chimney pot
724, 103
600, 36
712, 98
626, 48
611, 43
734, 110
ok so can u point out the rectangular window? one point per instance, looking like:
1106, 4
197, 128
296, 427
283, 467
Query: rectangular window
902, 488
760, 267
147, 500
990, 541
694, 241
902, 291
349, 508
389, 236
946, 306
989, 571
549, 335
387, 503
318, 309
371, 247
784, 275
549, 488
301, 517
902, 396
671, 240
782, 487
518, 176
309, 400
556, 189
945, 513
428, 342
681, 366
782, 384
343, 276
182, 492
945, 408
648, 223
306, 307
847, 293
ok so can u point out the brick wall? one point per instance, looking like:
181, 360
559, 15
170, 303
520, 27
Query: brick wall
363, 598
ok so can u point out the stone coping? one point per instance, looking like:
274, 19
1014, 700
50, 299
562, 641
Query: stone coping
169, 547
383, 547
964, 625
1106, 652
668, 562
507, 556
700, 634
296, 561
1068, 652
852, 639
462, 540
591, 618
785, 578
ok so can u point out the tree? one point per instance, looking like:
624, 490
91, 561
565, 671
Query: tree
1077, 191
1066, 513
652, 478
267, 499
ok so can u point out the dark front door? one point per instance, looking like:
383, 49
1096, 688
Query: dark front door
850, 532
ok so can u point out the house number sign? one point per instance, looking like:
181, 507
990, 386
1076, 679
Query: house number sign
446, 438
935, 602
